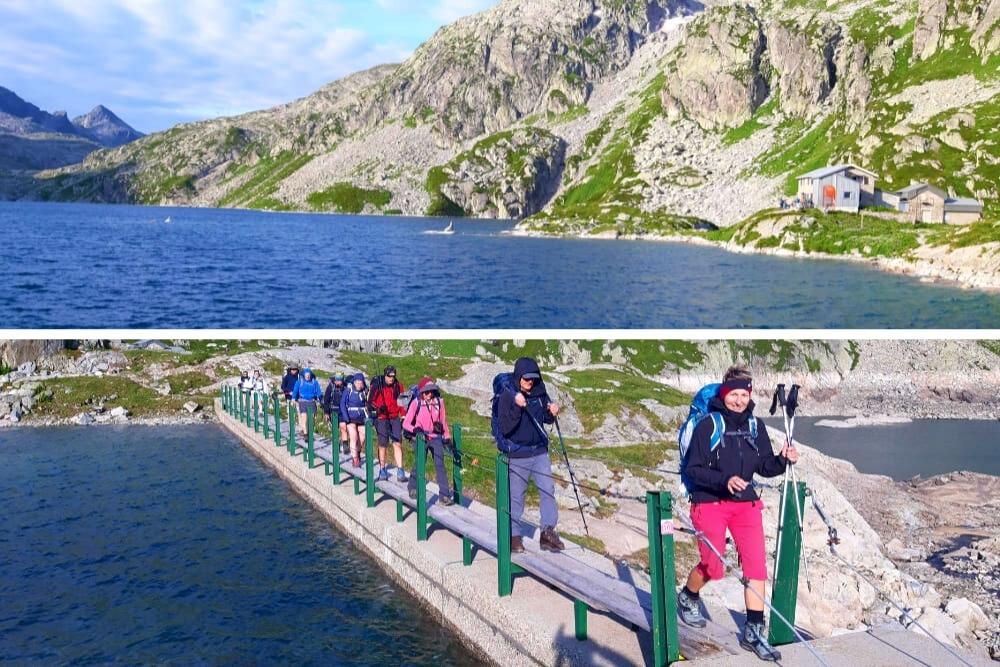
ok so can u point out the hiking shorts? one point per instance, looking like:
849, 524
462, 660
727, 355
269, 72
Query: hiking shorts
745, 524
389, 429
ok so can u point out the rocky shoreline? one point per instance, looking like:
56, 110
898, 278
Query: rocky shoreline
959, 268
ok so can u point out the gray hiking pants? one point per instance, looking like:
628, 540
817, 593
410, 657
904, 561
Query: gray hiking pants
436, 447
540, 469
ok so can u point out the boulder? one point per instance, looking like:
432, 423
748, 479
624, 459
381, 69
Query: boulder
83, 419
14, 353
119, 413
191, 407
106, 361
968, 615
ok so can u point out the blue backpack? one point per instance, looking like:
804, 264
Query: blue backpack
504, 382
698, 412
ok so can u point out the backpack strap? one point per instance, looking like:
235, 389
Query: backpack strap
718, 429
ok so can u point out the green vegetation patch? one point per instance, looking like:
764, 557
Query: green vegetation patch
348, 198
600, 392
70, 396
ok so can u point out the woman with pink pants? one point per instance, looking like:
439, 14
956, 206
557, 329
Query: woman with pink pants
723, 498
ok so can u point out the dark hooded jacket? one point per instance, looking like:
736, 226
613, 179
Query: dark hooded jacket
523, 426
737, 454
288, 384
331, 398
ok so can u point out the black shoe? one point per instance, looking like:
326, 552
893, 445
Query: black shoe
413, 493
754, 639
549, 541
345, 448
516, 544
446, 500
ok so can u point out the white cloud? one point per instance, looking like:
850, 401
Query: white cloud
447, 11
218, 58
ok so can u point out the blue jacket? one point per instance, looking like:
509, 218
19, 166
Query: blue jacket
307, 389
353, 403
523, 426
737, 454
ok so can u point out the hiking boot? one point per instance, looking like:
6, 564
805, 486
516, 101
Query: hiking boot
516, 544
345, 448
446, 500
549, 541
356, 461
383, 475
689, 610
400, 475
413, 493
754, 640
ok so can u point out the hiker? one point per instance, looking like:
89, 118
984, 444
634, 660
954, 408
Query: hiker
426, 415
246, 384
723, 497
287, 384
307, 393
521, 407
384, 402
354, 413
259, 383
331, 404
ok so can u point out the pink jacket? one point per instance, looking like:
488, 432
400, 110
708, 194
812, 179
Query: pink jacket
422, 414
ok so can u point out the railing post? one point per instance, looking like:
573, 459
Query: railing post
277, 421
456, 435
263, 406
310, 454
256, 414
506, 574
421, 474
369, 464
660, 528
785, 590
239, 410
292, 447
222, 397
580, 619
248, 418
335, 445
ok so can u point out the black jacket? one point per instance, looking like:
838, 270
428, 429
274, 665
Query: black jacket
523, 426
288, 384
331, 398
737, 454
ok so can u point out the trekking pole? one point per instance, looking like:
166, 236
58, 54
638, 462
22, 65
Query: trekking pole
792, 404
789, 404
572, 477
779, 400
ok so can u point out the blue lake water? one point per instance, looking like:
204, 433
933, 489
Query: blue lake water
142, 545
923, 447
98, 266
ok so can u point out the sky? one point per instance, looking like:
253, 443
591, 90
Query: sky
158, 63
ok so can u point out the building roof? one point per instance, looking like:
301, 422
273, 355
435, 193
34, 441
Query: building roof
914, 189
831, 170
963, 205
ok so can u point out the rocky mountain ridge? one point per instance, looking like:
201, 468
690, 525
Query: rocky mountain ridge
661, 113
33, 139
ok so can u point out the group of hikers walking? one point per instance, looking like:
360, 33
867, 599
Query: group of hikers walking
723, 445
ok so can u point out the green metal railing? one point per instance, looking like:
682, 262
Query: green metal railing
264, 400
369, 463
659, 513
660, 529
785, 590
